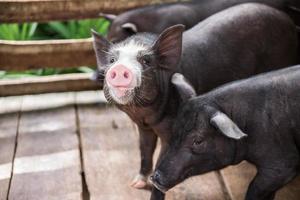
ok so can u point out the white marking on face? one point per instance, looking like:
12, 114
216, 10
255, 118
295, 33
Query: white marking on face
128, 57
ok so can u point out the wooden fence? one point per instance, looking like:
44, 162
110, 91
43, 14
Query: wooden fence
24, 55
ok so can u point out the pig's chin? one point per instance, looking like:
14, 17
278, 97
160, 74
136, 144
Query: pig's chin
121, 95
161, 188
167, 185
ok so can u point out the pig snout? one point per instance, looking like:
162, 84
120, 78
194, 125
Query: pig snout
158, 181
119, 76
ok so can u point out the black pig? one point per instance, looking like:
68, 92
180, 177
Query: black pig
233, 44
156, 18
257, 119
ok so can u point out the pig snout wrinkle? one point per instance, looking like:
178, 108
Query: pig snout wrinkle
119, 76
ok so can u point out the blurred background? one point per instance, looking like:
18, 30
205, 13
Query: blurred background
46, 46
72, 29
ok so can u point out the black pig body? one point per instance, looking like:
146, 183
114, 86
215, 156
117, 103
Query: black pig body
233, 44
256, 119
156, 18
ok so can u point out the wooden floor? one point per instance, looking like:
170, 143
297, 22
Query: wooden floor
73, 146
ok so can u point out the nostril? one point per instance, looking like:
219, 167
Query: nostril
126, 75
156, 176
113, 75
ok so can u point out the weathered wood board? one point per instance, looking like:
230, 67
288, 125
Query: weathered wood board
8, 132
111, 159
47, 84
204, 187
47, 10
47, 162
10, 104
21, 55
48, 101
109, 153
237, 178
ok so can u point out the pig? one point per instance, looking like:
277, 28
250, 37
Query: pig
233, 44
255, 119
156, 18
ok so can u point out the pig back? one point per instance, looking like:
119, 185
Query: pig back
236, 43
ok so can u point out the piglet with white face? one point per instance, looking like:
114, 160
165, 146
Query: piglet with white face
131, 68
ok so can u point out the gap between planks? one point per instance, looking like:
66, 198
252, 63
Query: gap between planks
85, 188
223, 185
17, 105
40, 105
76, 99
14, 154
12, 105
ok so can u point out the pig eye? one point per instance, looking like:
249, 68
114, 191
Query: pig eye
146, 60
112, 60
197, 142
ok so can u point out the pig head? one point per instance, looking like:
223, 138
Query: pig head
129, 67
203, 140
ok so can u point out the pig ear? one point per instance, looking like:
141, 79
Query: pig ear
184, 88
224, 124
109, 17
101, 47
130, 27
97, 76
168, 47
94, 76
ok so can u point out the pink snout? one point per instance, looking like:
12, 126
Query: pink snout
119, 76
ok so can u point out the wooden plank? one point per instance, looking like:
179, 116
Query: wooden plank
90, 97
206, 187
33, 10
23, 55
47, 162
111, 159
57, 100
8, 131
291, 191
48, 101
10, 104
110, 154
48, 84
237, 179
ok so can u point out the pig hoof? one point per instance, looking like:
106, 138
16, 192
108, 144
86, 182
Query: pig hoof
139, 182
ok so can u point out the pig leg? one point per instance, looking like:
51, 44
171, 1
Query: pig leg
267, 182
157, 195
147, 142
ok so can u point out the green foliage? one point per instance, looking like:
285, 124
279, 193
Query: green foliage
73, 29
18, 31
52, 30
42, 72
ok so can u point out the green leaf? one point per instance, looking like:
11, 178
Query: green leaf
23, 32
32, 29
61, 29
85, 69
